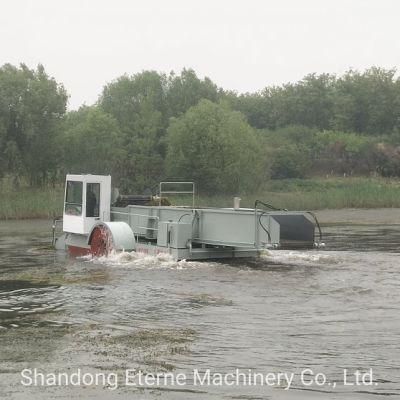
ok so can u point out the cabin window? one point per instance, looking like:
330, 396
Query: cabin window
92, 199
73, 198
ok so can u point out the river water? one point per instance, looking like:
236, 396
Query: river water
289, 312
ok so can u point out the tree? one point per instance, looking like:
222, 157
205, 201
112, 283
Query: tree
215, 147
92, 143
32, 106
290, 161
367, 102
186, 90
138, 105
257, 107
291, 151
308, 102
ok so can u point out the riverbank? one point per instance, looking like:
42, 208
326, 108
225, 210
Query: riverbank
292, 194
321, 193
29, 203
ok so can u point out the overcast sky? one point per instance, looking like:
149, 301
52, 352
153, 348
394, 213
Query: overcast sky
241, 45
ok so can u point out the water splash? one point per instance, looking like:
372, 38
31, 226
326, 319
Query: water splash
299, 257
141, 260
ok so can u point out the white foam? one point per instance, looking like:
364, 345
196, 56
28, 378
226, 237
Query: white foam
162, 260
301, 257
137, 259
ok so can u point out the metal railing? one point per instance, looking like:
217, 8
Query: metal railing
162, 192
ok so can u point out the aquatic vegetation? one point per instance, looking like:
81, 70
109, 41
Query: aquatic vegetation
44, 279
204, 299
26, 343
149, 350
310, 194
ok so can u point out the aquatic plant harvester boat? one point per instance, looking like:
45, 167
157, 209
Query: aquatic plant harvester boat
94, 224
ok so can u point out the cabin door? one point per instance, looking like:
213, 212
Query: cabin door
93, 204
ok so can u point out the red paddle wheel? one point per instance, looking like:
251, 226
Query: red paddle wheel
101, 243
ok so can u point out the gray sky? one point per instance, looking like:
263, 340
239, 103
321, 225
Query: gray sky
240, 45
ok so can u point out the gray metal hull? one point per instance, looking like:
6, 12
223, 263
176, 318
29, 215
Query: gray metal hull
206, 233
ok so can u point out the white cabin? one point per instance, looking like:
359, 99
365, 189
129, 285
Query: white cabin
86, 202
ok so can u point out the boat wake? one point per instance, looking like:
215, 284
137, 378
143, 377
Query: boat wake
300, 257
141, 260
166, 261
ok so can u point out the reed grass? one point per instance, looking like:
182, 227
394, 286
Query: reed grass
306, 194
319, 193
27, 203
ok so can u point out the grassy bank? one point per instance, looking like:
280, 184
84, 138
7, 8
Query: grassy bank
320, 193
30, 203
300, 194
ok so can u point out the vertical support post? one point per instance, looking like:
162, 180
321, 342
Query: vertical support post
256, 231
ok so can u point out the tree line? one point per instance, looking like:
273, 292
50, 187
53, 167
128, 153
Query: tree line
151, 126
